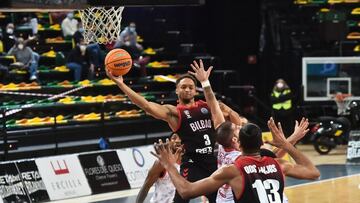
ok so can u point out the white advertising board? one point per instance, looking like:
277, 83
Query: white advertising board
63, 177
136, 162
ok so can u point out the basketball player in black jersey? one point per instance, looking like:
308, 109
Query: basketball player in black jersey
253, 178
192, 121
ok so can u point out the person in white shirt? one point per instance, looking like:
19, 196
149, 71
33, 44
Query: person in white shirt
69, 25
227, 155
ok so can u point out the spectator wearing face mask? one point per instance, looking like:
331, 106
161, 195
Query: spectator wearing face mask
93, 47
79, 34
282, 105
128, 41
69, 25
80, 61
25, 57
9, 37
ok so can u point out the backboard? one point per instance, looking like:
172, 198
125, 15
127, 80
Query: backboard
326, 76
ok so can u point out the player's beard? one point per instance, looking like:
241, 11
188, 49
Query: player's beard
187, 100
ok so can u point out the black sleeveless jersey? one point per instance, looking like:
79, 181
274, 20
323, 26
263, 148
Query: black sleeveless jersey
196, 131
263, 180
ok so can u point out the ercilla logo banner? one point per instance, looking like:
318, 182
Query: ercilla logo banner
60, 169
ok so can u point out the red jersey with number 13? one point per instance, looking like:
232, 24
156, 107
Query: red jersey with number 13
263, 180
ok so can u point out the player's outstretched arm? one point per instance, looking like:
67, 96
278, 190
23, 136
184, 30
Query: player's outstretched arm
303, 167
167, 113
203, 77
153, 175
188, 189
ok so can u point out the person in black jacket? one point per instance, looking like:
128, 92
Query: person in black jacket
8, 37
92, 46
80, 61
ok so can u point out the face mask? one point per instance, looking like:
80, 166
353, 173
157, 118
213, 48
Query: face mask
21, 46
81, 30
10, 31
280, 85
70, 16
132, 29
82, 48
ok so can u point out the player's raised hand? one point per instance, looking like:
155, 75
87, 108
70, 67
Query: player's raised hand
279, 139
199, 71
118, 79
165, 153
300, 130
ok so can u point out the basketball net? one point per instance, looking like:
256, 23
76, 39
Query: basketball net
101, 24
342, 102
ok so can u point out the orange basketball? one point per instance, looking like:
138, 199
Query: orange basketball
118, 61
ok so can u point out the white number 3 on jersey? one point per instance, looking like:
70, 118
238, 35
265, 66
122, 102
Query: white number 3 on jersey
207, 140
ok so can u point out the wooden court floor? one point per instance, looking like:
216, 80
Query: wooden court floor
338, 190
340, 182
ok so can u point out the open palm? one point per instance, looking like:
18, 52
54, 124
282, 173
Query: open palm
199, 71
118, 79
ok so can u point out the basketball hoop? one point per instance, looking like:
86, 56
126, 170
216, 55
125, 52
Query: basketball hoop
342, 102
101, 24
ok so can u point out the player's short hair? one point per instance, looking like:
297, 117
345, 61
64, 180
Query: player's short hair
174, 136
186, 76
250, 137
224, 134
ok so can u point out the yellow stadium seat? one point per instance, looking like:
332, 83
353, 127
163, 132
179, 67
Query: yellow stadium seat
1, 46
355, 11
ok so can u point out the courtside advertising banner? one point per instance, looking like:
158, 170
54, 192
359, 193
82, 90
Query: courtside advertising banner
136, 162
11, 186
104, 172
32, 180
63, 177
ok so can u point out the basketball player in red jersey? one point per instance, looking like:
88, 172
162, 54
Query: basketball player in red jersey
192, 121
253, 178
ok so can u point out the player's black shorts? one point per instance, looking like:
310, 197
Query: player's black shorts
194, 170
